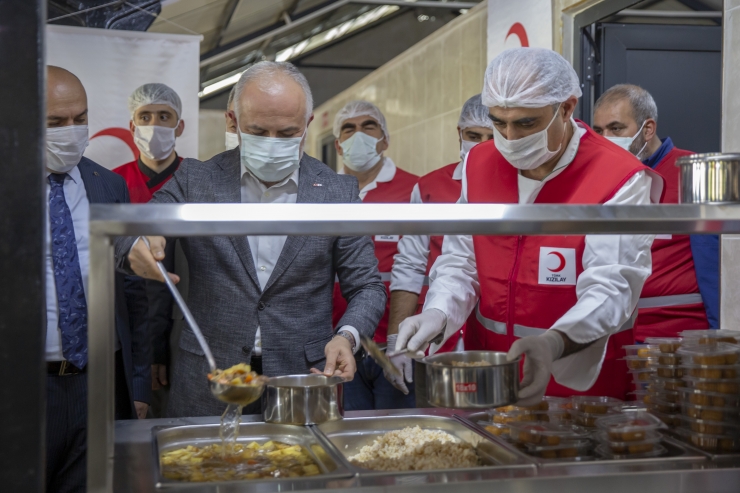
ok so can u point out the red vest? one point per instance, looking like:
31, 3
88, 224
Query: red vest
438, 187
398, 190
136, 181
670, 301
529, 281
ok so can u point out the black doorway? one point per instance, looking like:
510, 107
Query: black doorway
680, 65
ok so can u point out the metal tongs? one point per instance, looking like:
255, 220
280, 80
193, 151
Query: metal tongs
383, 358
240, 395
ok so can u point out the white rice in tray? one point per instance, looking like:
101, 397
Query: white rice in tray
414, 449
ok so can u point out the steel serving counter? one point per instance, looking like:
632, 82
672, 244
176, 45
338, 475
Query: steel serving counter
136, 470
132, 456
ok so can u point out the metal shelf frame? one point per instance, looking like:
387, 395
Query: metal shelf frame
180, 220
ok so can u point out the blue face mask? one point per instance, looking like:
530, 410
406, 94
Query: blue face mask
270, 159
359, 152
626, 142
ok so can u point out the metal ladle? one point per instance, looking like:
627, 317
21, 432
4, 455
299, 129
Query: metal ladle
237, 395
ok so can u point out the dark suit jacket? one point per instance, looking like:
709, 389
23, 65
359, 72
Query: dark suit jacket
105, 187
293, 311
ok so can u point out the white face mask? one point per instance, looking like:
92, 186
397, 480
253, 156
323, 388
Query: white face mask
64, 147
359, 152
271, 159
232, 141
529, 152
626, 142
465, 146
154, 141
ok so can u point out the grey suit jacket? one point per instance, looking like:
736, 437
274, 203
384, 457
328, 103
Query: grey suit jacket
294, 310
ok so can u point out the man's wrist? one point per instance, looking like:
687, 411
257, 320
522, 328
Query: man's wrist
558, 343
345, 334
355, 336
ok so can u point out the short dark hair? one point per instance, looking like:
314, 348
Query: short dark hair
642, 103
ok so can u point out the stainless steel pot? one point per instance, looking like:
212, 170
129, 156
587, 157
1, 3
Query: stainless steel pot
303, 399
709, 178
471, 387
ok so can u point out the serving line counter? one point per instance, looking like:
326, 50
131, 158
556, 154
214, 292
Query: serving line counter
135, 458
684, 470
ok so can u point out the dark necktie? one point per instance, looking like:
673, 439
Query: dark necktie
67, 276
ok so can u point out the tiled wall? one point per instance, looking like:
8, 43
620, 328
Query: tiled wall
421, 93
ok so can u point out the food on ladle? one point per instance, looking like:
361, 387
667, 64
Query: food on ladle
252, 461
240, 374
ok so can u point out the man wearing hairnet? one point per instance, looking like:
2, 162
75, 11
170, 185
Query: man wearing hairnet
566, 303
361, 139
683, 291
417, 253
156, 121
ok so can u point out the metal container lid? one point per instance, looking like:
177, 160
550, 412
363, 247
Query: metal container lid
304, 381
708, 157
493, 358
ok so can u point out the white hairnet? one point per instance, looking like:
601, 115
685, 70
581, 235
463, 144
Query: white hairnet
154, 94
359, 108
529, 78
474, 114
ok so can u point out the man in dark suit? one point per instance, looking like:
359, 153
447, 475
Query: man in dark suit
266, 300
75, 182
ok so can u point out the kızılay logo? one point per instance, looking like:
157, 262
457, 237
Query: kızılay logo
466, 387
557, 266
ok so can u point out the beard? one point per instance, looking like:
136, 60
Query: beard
638, 146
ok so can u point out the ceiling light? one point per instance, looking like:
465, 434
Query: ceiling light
216, 86
311, 43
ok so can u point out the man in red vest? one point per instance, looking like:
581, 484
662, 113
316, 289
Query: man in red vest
682, 293
417, 253
156, 122
565, 302
361, 140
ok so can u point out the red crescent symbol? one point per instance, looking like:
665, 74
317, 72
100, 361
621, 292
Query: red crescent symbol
120, 133
518, 30
562, 262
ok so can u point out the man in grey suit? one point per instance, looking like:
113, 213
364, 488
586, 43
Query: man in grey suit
266, 299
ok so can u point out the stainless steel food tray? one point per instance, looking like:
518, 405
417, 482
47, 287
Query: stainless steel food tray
350, 435
722, 457
330, 463
677, 451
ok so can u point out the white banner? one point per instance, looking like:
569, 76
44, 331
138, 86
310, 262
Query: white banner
111, 64
518, 23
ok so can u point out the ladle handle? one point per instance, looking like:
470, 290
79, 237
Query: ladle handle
185, 311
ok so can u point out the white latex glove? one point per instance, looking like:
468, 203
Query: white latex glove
404, 364
540, 351
415, 332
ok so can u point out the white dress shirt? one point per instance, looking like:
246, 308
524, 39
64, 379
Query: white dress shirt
615, 269
410, 263
76, 197
266, 249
